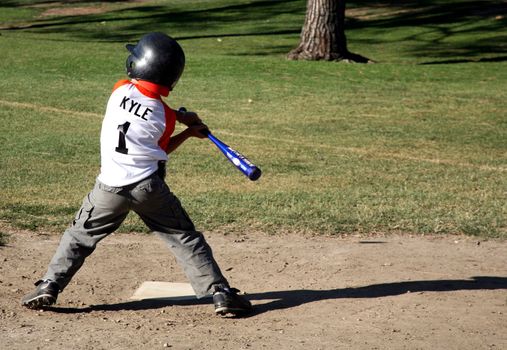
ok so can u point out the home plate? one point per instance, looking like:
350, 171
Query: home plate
164, 290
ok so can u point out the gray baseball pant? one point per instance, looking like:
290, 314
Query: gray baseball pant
104, 209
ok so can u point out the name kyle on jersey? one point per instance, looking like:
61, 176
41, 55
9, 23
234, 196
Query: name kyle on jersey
135, 108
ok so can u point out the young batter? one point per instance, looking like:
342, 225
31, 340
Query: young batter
135, 139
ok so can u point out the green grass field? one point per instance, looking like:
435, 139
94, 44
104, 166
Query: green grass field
414, 144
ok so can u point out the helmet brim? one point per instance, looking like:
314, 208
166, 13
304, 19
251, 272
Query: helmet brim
130, 47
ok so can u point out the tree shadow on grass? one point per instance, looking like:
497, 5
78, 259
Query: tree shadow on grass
439, 23
278, 300
17, 3
480, 60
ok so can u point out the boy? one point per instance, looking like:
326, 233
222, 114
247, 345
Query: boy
136, 138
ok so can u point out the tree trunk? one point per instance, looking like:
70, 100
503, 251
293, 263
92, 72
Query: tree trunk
323, 33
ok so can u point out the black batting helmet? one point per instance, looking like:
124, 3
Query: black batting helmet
157, 58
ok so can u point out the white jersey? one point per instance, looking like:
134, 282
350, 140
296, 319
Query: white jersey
135, 134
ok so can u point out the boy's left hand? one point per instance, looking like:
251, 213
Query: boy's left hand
188, 118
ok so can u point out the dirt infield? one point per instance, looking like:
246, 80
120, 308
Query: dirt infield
395, 292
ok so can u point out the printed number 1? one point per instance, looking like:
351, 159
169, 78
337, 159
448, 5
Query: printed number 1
122, 147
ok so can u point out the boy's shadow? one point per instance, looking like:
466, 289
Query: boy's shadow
289, 299
292, 298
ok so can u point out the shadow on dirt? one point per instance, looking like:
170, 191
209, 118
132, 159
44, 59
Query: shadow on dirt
292, 298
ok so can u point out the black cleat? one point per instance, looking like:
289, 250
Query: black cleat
44, 295
227, 301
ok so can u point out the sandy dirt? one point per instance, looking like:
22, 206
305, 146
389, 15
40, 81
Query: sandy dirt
394, 292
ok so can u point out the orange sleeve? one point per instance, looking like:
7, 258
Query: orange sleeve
121, 83
170, 125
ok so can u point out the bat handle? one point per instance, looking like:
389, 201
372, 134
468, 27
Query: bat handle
204, 132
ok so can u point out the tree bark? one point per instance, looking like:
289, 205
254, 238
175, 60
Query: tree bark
323, 34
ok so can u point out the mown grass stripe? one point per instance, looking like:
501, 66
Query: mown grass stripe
354, 150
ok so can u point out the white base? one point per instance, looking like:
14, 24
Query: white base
164, 290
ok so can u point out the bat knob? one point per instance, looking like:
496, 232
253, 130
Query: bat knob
255, 174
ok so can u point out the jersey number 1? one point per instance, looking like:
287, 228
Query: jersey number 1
122, 147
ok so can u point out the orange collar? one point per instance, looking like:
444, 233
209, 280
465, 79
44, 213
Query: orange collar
151, 89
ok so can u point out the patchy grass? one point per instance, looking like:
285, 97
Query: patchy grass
415, 143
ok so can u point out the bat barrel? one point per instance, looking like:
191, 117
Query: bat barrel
236, 158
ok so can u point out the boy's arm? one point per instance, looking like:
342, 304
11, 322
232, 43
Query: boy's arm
191, 131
